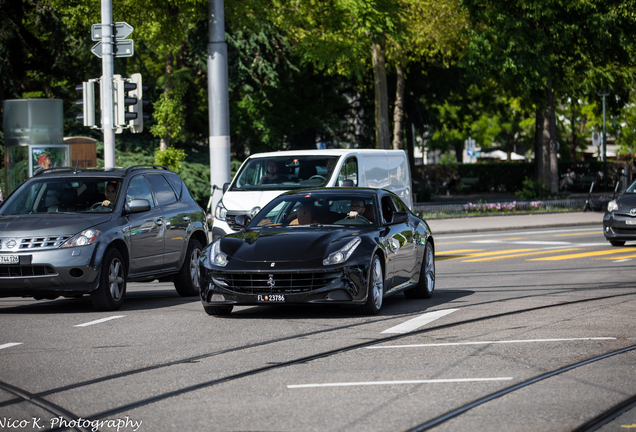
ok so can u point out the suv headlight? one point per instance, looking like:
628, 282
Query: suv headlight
220, 212
342, 254
217, 257
85, 238
612, 205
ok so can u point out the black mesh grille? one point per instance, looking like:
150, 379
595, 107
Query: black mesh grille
26, 270
626, 231
274, 283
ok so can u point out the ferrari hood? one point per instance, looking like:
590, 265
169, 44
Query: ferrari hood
285, 245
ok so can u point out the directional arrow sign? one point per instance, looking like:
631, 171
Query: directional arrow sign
122, 30
121, 48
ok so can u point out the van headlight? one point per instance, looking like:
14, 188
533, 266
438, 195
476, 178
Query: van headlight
85, 238
342, 254
220, 212
217, 258
612, 205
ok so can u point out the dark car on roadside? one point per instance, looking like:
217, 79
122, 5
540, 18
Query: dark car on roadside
619, 222
331, 246
69, 232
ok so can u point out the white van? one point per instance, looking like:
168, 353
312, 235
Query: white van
264, 176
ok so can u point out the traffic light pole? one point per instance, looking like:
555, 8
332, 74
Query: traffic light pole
218, 102
108, 124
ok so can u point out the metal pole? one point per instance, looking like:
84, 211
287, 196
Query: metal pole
604, 146
107, 84
218, 101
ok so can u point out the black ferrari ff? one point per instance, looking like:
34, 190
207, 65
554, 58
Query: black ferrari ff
347, 246
619, 222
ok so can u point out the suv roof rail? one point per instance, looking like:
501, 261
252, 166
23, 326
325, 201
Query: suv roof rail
136, 167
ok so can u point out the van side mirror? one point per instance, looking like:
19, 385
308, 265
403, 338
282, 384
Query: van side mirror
226, 186
347, 183
399, 217
242, 220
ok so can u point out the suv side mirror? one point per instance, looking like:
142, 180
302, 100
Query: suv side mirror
138, 206
399, 217
226, 186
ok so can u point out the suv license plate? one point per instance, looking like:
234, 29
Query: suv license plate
630, 221
273, 298
9, 259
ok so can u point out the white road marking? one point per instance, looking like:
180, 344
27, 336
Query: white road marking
99, 321
622, 260
430, 381
547, 243
9, 345
509, 233
421, 320
490, 342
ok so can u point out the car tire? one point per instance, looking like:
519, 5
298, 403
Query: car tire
188, 280
617, 243
218, 310
426, 285
375, 289
109, 295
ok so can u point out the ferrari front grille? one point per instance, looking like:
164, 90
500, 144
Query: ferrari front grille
275, 283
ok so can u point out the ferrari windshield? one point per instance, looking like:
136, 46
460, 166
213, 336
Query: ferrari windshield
318, 209
57, 195
297, 172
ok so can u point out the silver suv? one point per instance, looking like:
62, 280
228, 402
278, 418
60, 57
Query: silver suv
69, 232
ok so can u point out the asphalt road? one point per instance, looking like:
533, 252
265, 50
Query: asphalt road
510, 307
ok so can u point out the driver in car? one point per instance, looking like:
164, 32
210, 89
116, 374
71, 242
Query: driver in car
357, 208
111, 193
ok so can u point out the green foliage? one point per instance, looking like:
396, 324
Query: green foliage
169, 112
170, 157
533, 189
449, 159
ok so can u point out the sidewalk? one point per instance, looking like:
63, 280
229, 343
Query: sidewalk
512, 222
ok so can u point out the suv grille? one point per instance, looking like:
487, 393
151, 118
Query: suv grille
38, 243
26, 270
275, 283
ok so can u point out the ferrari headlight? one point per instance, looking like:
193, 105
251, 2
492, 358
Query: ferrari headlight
220, 212
342, 254
612, 205
85, 238
217, 257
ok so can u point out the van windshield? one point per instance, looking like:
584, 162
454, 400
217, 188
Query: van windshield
286, 173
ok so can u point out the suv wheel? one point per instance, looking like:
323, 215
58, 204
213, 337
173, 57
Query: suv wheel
188, 280
109, 295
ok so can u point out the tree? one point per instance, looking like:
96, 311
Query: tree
538, 50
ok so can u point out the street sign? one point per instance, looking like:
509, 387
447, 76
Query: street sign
121, 48
470, 152
121, 31
596, 138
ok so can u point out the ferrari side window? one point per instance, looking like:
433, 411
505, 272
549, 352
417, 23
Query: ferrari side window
387, 209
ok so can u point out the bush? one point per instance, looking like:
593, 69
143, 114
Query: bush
532, 189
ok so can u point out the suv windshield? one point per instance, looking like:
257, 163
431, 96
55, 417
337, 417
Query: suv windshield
297, 172
57, 195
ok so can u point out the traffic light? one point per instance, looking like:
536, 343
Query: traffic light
137, 123
87, 103
122, 101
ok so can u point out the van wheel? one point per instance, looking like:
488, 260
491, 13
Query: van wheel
109, 295
187, 281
